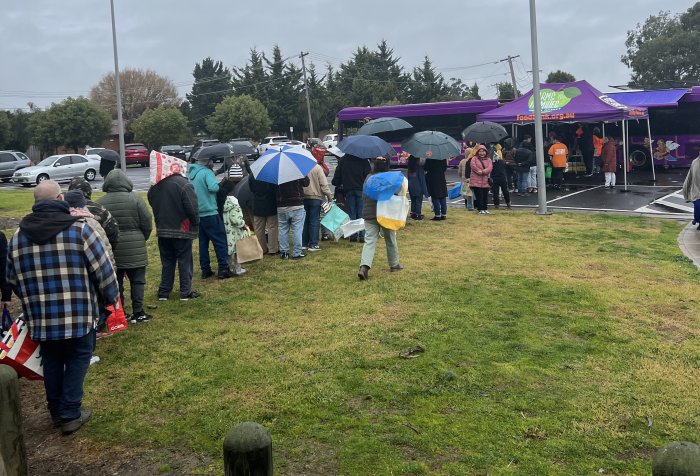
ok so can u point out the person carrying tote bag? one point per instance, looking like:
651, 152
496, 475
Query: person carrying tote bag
373, 228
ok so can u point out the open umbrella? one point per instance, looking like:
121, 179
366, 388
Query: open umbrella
484, 132
383, 124
216, 152
108, 154
383, 185
283, 165
431, 145
365, 147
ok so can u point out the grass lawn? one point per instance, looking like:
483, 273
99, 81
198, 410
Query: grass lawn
553, 345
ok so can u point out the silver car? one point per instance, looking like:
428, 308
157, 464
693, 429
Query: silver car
10, 162
60, 168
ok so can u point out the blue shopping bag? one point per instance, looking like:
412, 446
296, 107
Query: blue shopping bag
456, 191
334, 219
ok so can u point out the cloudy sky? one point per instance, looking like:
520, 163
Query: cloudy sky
53, 49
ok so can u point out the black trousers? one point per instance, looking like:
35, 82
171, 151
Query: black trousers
481, 198
175, 252
497, 186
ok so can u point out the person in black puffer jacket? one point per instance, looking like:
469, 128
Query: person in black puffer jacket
265, 214
524, 159
350, 175
499, 182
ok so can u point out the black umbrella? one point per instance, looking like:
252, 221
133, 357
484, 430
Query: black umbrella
243, 193
109, 154
431, 145
365, 147
484, 132
383, 124
216, 152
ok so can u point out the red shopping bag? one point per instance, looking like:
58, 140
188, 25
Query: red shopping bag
21, 353
116, 321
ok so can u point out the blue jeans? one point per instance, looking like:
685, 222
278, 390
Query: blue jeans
353, 198
416, 205
312, 222
293, 220
66, 362
440, 206
211, 228
523, 180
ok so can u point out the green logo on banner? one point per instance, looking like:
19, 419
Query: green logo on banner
554, 100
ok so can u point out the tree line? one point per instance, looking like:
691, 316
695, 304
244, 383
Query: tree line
267, 93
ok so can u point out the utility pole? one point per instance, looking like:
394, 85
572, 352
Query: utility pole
510, 59
539, 145
120, 120
306, 90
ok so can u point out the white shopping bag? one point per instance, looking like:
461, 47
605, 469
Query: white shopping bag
351, 227
392, 213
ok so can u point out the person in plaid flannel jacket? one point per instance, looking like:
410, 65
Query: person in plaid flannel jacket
57, 266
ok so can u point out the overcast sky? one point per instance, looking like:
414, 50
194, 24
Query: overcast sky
53, 49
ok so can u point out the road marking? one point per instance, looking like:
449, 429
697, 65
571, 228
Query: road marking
572, 194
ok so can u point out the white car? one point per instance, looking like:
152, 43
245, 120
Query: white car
91, 152
330, 140
270, 141
61, 168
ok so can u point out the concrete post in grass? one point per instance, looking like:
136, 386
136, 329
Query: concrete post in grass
12, 452
248, 450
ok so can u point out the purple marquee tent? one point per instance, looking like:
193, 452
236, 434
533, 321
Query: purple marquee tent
577, 101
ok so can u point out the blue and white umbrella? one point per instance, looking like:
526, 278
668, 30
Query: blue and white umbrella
283, 165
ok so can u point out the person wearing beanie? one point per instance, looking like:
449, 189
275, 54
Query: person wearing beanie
100, 213
77, 202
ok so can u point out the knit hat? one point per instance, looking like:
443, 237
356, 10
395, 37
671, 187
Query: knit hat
79, 183
235, 172
75, 198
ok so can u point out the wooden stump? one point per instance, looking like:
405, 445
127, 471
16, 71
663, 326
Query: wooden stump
248, 451
12, 452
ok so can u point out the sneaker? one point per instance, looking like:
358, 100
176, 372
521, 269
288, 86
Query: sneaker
191, 295
443, 217
314, 248
486, 212
162, 298
418, 217
436, 218
70, 426
304, 248
299, 256
207, 274
225, 274
481, 212
284, 254
396, 268
240, 271
140, 317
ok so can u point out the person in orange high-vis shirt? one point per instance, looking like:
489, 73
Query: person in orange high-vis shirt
558, 154
597, 150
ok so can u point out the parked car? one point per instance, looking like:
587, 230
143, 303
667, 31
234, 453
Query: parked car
136, 154
91, 152
245, 147
10, 162
270, 141
61, 168
240, 139
188, 151
174, 150
330, 140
